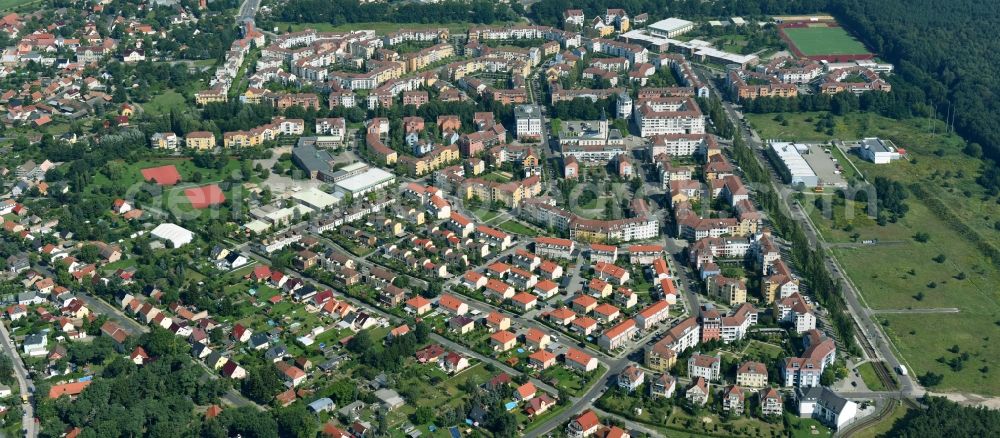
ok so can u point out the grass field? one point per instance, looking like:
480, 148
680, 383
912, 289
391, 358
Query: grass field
9, 5
513, 226
497, 176
901, 273
812, 41
164, 102
837, 223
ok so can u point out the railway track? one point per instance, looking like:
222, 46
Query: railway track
882, 371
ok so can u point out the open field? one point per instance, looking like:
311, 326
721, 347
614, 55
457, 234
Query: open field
823, 40
802, 127
902, 276
9, 5
899, 272
164, 102
833, 220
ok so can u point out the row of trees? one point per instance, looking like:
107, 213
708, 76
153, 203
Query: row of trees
354, 11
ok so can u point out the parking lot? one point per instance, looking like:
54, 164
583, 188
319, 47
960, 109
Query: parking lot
823, 164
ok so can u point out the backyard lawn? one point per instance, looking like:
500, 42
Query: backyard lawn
513, 226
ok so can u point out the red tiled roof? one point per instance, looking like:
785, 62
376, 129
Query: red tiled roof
70, 389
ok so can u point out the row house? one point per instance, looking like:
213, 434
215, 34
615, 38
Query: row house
618, 335
554, 247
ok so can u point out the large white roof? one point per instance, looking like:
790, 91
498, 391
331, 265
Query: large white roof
362, 182
315, 197
794, 162
174, 233
670, 24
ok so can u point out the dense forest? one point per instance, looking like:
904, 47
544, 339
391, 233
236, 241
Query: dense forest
948, 49
944, 418
353, 11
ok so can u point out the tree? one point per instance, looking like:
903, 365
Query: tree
119, 96
421, 332
946, 418
973, 149
296, 421
160, 342
361, 342
502, 423
262, 383
342, 391
248, 422
89, 253
6, 370
423, 415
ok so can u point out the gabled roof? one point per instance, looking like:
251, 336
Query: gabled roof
450, 302
577, 356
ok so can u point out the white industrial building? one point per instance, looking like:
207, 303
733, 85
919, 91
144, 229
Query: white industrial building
369, 181
315, 198
670, 27
878, 151
794, 168
173, 233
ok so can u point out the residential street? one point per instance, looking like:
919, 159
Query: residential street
24, 383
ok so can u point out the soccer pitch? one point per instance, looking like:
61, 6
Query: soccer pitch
815, 41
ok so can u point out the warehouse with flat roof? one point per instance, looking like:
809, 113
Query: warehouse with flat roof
369, 181
670, 27
793, 167
315, 198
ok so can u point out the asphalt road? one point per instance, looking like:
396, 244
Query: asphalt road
102, 307
248, 9
24, 383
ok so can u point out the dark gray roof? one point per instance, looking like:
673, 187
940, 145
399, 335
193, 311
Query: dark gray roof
312, 159
823, 396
